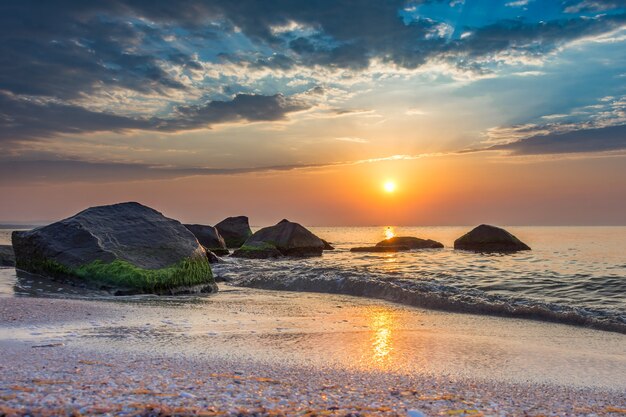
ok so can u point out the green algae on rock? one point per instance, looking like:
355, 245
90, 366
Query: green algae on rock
258, 250
124, 248
284, 238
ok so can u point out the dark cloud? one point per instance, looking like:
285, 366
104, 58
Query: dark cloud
516, 36
603, 139
27, 119
18, 172
65, 49
249, 107
61, 51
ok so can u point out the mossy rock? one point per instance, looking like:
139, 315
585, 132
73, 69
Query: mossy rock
288, 238
257, 250
123, 248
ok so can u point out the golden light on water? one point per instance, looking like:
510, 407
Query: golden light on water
389, 186
389, 233
381, 323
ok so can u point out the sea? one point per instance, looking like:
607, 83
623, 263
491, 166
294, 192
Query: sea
572, 275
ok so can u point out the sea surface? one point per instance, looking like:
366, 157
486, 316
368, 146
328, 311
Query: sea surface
574, 275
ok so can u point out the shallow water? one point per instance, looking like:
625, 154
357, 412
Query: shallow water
573, 275
328, 331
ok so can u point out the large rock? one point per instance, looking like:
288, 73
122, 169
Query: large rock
392, 248
411, 242
124, 248
7, 257
485, 238
284, 238
400, 244
234, 230
209, 237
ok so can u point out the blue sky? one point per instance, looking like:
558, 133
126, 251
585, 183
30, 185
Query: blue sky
152, 90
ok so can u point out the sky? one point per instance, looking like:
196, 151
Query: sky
480, 111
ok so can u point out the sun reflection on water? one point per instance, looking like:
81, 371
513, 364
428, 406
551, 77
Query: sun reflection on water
389, 233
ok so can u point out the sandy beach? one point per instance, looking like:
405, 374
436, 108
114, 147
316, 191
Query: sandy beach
253, 352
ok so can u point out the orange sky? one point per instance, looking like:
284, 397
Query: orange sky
446, 190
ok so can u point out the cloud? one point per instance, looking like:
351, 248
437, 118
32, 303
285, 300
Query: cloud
415, 112
88, 66
22, 119
582, 6
352, 139
603, 139
46, 171
49, 171
31, 119
248, 107
518, 3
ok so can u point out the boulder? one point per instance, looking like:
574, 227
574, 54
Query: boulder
411, 242
327, 246
209, 237
7, 257
123, 248
391, 248
212, 257
485, 238
234, 230
285, 238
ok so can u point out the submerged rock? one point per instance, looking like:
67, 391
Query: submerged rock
7, 257
411, 242
390, 248
284, 238
123, 248
486, 238
209, 237
400, 244
234, 230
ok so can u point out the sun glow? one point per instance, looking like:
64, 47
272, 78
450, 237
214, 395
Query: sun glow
389, 186
389, 233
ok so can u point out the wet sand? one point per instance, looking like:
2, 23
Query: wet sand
270, 352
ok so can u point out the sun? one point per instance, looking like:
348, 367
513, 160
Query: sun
389, 186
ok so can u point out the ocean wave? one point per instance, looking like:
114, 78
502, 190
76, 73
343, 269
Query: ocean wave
417, 293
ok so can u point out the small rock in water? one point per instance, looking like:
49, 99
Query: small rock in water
415, 413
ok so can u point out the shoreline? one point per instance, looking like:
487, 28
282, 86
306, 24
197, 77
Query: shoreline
397, 293
325, 351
